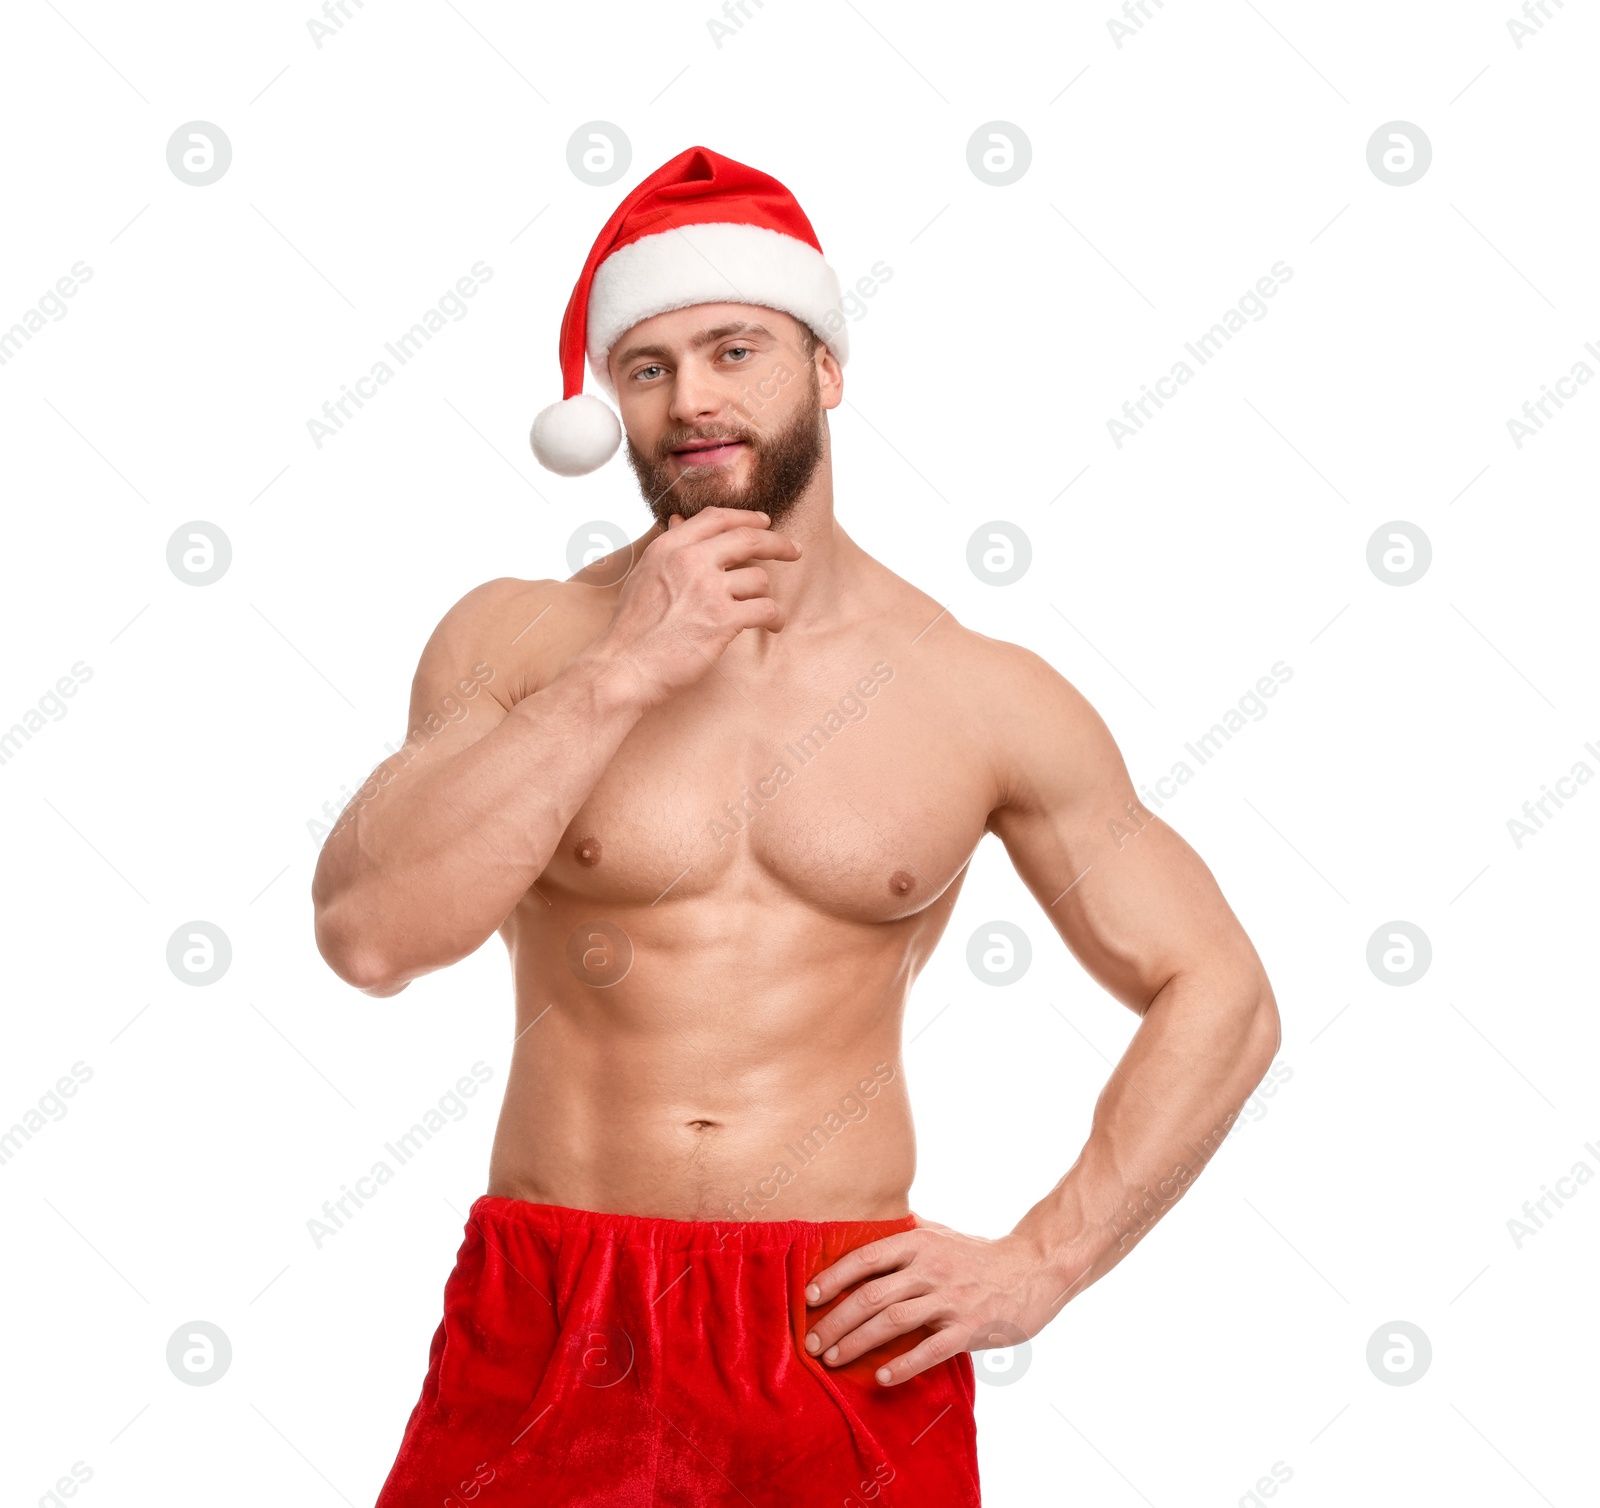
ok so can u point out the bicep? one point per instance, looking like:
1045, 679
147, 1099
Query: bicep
1130, 898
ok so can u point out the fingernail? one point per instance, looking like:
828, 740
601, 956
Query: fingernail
813, 1345
813, 1293
833, 1354
884, 1374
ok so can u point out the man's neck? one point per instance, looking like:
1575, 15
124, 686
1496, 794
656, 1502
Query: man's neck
811, 590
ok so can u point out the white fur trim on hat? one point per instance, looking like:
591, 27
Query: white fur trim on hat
718, 263
575, 436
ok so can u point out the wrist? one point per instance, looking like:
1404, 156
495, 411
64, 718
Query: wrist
1064, 1247
610, 682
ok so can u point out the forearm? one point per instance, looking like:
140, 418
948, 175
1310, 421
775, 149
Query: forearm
421, 874
1200, 1050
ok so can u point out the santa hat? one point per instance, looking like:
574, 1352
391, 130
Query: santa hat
701, 229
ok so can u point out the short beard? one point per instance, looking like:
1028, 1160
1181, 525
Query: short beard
782, 467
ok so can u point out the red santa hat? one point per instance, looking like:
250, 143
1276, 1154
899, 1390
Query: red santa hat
701, 229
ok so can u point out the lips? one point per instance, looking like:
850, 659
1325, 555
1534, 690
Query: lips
708, 452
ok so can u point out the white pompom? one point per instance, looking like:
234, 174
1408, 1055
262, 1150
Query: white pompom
575, 436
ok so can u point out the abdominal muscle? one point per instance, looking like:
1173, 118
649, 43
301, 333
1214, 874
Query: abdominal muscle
751, 1074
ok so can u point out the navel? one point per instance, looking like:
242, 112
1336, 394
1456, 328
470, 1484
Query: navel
587, 852
902, 882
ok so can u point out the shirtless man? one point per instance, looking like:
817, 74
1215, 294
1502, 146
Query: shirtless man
717, 793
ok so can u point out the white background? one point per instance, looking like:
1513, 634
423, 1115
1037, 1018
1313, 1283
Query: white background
1167, 175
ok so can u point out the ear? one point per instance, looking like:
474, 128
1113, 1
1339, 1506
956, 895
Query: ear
830, 376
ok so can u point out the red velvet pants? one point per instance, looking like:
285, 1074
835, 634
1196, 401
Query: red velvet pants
588, 1358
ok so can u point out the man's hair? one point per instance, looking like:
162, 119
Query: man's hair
808, 340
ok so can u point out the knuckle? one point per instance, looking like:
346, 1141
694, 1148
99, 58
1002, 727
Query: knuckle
873, 1293
898, 1313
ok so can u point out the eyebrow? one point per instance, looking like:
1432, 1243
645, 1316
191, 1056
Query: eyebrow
704, 338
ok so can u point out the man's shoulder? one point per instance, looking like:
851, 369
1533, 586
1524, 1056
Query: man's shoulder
1029, 722
524, 630
973, 666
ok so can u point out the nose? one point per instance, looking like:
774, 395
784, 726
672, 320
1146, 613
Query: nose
696, 397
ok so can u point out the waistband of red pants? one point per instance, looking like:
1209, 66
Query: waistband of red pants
679, 1235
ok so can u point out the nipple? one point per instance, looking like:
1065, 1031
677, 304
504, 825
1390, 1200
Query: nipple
587, 852
901, 882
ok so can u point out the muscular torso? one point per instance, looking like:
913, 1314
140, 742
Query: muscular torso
712, 971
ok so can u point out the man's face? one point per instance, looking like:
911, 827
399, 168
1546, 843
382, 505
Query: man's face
723, 408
